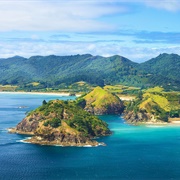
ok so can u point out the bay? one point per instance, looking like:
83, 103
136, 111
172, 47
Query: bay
132, 152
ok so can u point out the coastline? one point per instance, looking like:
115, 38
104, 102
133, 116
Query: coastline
162, 124
39, 141
155, 124
28, 140
40, 93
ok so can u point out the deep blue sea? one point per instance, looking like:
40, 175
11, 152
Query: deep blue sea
132, 152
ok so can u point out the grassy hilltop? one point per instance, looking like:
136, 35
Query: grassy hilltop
99, 101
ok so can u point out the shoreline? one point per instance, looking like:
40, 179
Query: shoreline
149, 123
156, 124
40, 93
28, 141
33, 139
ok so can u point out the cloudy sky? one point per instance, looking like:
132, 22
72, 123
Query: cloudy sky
136, 29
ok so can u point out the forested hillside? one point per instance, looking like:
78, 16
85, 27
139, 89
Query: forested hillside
163, 70
55, 71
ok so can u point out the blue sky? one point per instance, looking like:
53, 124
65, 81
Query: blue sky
136, 29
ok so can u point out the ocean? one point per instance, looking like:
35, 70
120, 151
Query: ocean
131, 152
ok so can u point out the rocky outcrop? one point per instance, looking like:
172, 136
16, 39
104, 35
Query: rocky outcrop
141, 117
61, 123
150, 106
27, 126
63, 139
109, 108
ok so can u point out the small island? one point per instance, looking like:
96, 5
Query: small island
61, 123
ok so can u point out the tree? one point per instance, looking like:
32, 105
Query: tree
44, 102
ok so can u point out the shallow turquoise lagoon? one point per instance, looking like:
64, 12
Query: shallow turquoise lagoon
132, 152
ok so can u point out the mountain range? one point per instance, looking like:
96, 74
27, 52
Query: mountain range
52, 71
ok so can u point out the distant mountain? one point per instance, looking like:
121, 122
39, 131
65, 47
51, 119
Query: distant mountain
52, 71
65, 69
163, 70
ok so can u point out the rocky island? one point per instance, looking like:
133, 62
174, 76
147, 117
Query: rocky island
62, 123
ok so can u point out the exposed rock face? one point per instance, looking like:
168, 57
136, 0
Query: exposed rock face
101, 102
28, 126
140, 117
62, 123
110, 108
59, 138
150, 106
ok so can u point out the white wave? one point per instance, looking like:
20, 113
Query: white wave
120, 129
58, 145
87, 146
23, 140
3, 130
154, 126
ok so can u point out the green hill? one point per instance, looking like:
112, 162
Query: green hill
163, 70
100, 101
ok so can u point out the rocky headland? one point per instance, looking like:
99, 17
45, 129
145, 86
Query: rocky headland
141, 118
153, 106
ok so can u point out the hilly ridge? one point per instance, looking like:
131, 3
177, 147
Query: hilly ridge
52, 71
164, 69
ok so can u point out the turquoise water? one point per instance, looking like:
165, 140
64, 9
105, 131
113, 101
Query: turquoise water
132, 152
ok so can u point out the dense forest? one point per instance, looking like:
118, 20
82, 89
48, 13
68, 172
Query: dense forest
61, 71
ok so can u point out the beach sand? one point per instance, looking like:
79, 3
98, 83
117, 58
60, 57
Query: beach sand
41, 93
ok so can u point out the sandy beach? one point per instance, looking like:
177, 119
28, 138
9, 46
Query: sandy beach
41, 93
172, 123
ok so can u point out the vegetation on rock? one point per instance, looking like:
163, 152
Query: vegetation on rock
62, 122
153, 105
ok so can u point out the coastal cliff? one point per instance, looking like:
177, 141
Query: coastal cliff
141, 117
101, 102
62, 123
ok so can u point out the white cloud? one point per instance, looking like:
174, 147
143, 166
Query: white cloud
64, 15
68, 15
169, 5
33, 19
